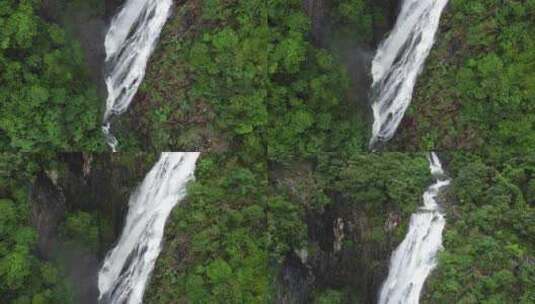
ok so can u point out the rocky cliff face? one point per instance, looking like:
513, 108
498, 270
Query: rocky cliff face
98, 184
342, 253
48, 209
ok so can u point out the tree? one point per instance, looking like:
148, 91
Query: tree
47, 101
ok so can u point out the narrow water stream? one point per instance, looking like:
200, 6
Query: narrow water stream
415, 258
127, 267
131, 38
397, 63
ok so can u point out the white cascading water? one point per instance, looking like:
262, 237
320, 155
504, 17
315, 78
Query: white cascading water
130, 40
415, 257
397, 63
127, 267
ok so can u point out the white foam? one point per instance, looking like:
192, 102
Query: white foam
415, 258
131, 38
127, 267
397, 63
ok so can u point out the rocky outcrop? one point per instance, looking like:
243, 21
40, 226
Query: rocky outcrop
47, 211
294, 284
345, 251
95, 183
338, 231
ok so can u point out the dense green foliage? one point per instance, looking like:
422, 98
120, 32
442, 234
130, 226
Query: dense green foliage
24, 278
213, 62
308, 110
226, 241
390, 181
373, 184
47, 101
268, 88
216, 250
477, 90
53, 273
489, 245
246, 74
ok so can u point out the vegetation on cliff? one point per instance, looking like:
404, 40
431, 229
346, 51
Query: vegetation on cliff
47, 100
246, 74
24, 277
216, 243
230, 237
58, 219
488, 242
477, 92
270, 91
352, 212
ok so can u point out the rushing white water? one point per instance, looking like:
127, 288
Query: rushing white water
127, 267
130, 40
415, 257
398, 61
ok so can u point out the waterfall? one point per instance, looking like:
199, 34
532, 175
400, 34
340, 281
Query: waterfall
127, 267
415, 257
397, 63
130, 40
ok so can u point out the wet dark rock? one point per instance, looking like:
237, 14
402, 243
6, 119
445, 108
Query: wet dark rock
358, 263
48, 208
294, 283
94, 183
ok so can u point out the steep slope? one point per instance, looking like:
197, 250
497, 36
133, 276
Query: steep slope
477, 89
